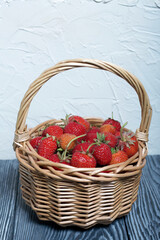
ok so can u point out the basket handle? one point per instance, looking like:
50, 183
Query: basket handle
21, 133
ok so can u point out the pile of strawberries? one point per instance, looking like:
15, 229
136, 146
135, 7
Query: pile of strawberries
81, 145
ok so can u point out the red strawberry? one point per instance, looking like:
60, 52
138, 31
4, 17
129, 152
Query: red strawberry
112, 139
82, 160
118, 157
132, 148
128, 143
80, 120
92, 134
47, 147
83, 147
53, 130
107, 128
56, 159
35, 142
113, 122
65, 139
76, 129
94, 130
102, 154
118, 134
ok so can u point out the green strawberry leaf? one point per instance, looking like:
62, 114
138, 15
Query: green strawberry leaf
59, 149
113, 150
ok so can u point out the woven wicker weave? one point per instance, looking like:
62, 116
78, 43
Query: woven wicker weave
79, 196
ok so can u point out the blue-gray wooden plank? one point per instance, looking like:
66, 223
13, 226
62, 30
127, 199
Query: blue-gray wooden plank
19, 222
143, 222
8, 196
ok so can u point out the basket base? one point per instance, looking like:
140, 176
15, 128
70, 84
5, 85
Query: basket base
82, 205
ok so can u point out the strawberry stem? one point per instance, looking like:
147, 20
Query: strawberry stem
101, 138
47, 136
113, 150
75, 139
90, 147
121, 130
66, 120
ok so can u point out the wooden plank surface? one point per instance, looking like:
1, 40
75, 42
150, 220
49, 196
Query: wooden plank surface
19, 222
8, 197
143, 222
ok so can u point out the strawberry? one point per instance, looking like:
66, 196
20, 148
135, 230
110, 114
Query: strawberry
102, 154
92, 134
83, 160
94, 130
47, 147
56, 159
107, 138
83, 147
111, 139
76, 129
132, 148
118, 134
118, 157
65, 139
128, 143
35, 142
113, 122
107, 128
80, 120
53, 130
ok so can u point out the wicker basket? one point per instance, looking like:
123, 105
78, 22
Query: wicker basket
79, 196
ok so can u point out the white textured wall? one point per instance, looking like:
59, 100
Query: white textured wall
36, 34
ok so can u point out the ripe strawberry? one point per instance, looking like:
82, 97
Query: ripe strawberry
35, 142
65, 139
76, 129
128, 143
83, 147
94, 130
132, 148
82, 160
102, 154
56, 159
112, 139
107, 128
53, 130
92, 134
47, 147
118, 134
107, 138
80, 120
113, 122
118, 157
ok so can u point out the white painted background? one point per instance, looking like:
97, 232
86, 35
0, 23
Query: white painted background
36, 34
